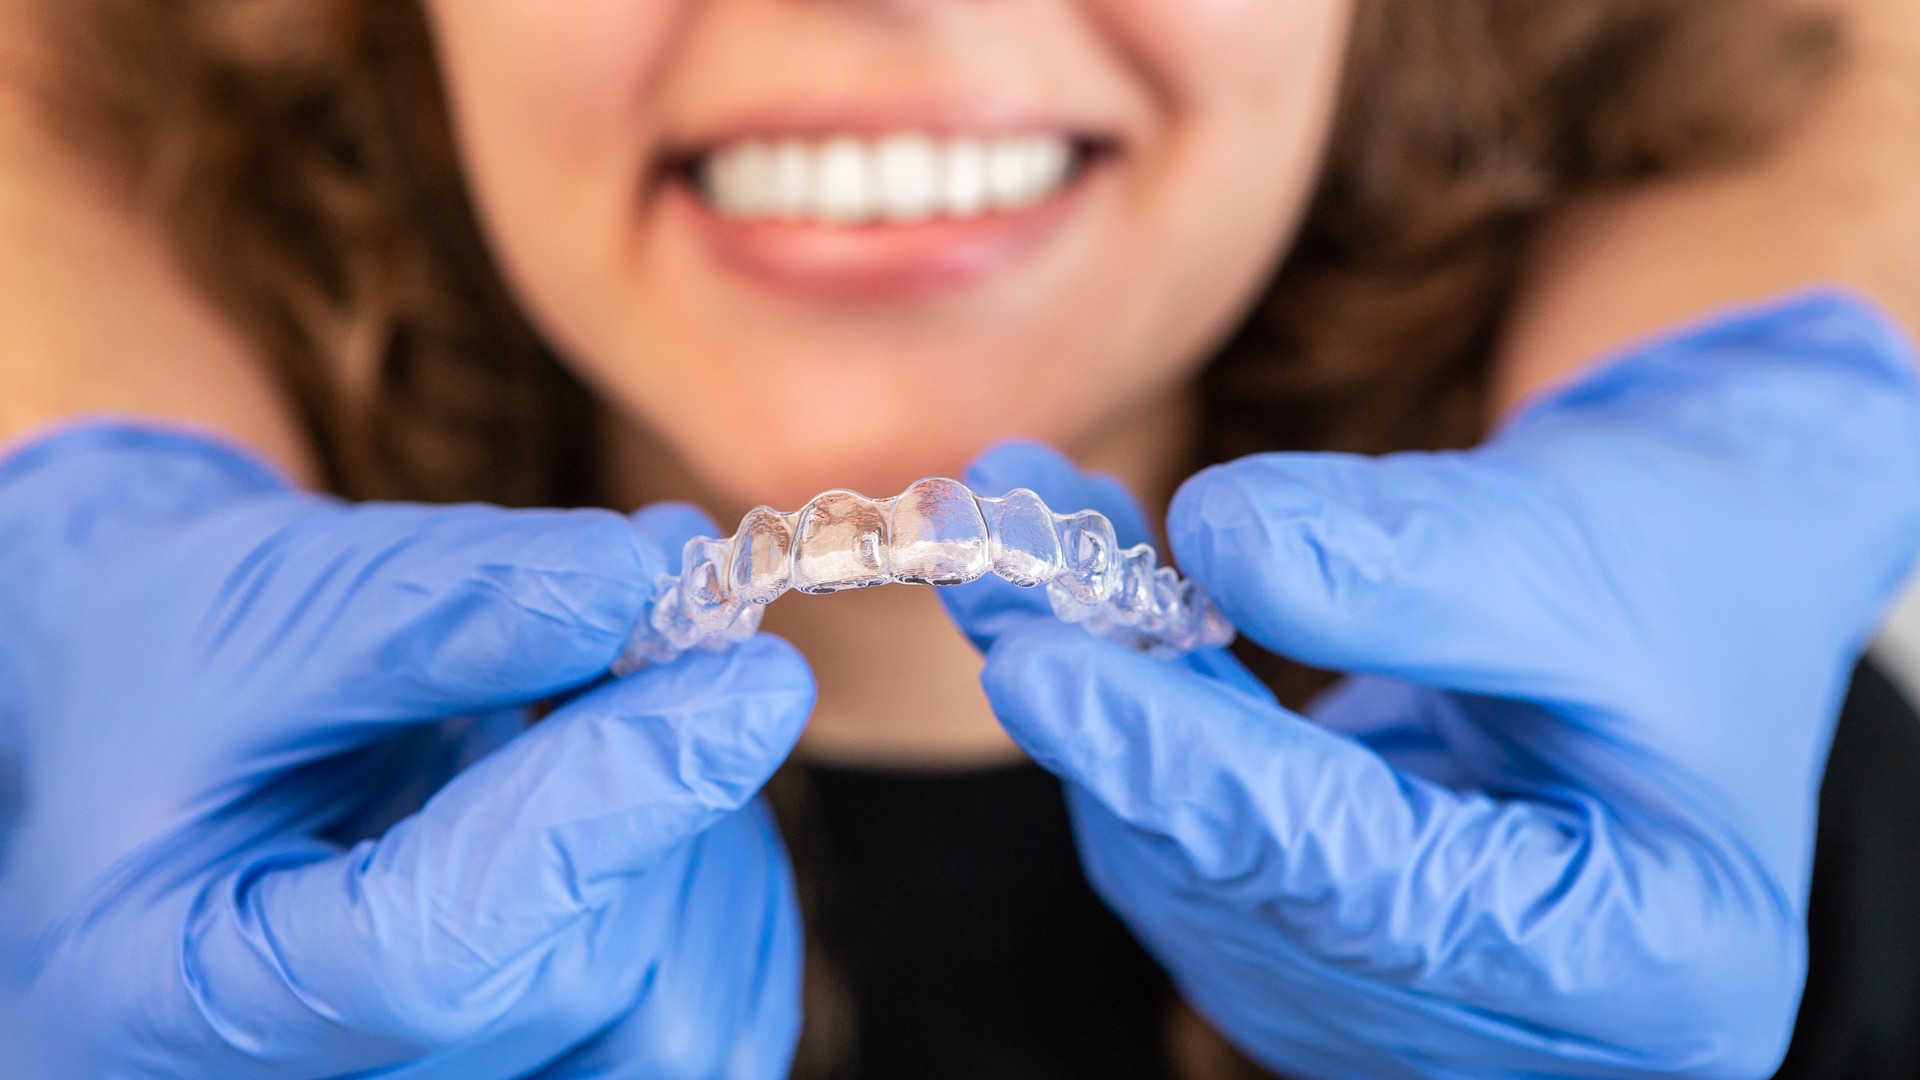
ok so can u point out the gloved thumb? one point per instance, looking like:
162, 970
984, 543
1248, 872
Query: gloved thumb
1289, 854
986, 607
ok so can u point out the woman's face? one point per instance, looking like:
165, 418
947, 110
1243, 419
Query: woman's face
847, 243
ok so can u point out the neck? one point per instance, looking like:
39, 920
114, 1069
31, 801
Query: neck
899, 685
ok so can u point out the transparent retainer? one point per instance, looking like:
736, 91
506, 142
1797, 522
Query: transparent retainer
935, 533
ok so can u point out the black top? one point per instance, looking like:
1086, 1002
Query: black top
973, 948
1860, 1017
971, 945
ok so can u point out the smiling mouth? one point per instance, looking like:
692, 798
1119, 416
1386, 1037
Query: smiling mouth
903, 178
883, 214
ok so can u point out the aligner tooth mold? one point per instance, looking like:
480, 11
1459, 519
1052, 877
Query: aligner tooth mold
935, 533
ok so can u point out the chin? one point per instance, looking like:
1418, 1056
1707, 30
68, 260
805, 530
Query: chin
801, 428
786, 482
785, 475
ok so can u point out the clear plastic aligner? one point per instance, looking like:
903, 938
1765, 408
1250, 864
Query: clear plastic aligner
935, 533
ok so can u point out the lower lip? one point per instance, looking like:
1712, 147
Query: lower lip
883, 261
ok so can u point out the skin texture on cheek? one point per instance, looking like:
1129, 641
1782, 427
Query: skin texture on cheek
1248, 90
1218, 110
554, 122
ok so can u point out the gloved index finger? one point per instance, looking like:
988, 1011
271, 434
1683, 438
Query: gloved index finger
406, 613
287, 613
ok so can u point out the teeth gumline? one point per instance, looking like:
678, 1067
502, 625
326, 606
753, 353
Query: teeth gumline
937, 532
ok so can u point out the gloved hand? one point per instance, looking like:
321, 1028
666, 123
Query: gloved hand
208, 680
1559, 821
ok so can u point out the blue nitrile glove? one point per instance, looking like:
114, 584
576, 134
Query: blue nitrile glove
1560, 822
207, 680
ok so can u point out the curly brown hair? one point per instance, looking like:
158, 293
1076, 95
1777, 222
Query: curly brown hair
298, 154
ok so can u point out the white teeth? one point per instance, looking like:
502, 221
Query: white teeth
752, 168
1047, 163
903, 178
964, 191
1009, 181
843, 187
907, 172
791, 180
718, 180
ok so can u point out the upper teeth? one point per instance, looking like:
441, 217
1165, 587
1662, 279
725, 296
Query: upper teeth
899, 178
